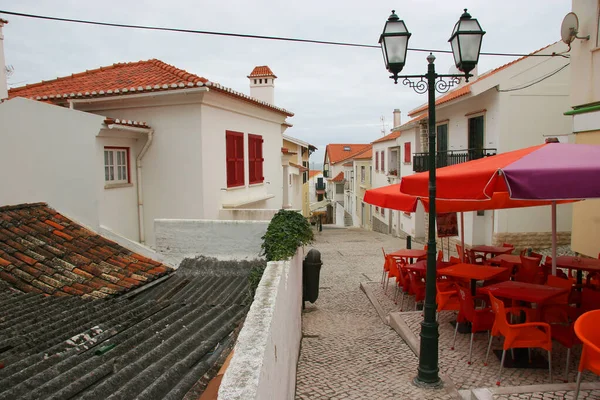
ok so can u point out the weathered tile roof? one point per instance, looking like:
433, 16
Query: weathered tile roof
122, 79
156, 343
390, 136
261, 70
364, 154
314, 172
42, 251
337, 153
338, 178
124, 122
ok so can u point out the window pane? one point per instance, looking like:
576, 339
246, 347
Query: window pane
124, 168
106, 173
119, 177
112, 173
111, 158
105, 157
118, 158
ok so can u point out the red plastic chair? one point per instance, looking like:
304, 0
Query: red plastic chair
475, 258
454, 260
402, 283
526, 335
462, 254
529, 271
481, 319
417, 287
386, 268
586, 329
446, 295
555, 310
393, 271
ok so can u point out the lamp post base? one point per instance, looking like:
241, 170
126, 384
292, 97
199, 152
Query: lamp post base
428, 385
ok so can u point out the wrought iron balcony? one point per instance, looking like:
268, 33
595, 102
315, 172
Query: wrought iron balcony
450, 157
320, 187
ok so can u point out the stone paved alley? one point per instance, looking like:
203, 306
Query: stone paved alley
348, 352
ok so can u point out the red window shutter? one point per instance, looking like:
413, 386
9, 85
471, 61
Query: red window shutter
377, 161
234, 142
255, 158
407, 155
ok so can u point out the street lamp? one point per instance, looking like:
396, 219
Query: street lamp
466, 45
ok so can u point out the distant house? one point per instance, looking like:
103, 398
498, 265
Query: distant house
316, 185
298, 153
361, 172
513, 106
585, 113
148, 140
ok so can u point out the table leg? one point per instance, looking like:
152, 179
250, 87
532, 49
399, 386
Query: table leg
473, 287
579, 277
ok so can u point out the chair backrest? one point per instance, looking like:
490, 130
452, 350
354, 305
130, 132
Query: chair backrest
386, 264
454, 260
507, 245
586, 329
467, 304
392, 267
528, 270
440, 256
461, 252
402, 278
505, 276
557, 282
500, 322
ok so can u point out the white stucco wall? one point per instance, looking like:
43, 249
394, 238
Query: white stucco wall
264, 359
219, 114
339, 214
118, 209
178, 239
47, 154
585, 54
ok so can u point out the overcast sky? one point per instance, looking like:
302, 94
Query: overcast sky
338, 94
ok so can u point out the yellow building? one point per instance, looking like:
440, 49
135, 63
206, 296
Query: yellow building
296, 173
585, 103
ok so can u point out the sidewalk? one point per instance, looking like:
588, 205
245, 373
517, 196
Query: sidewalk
347, 351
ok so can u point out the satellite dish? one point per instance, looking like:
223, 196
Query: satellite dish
570, 28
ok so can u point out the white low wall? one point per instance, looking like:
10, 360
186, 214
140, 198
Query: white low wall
339, 215
178, 239
135, 246
264, 361
248, 214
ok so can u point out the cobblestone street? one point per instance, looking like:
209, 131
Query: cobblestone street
349, 353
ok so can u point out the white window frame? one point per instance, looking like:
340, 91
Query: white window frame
116, 166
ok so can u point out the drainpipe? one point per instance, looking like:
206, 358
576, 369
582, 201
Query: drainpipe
140, 196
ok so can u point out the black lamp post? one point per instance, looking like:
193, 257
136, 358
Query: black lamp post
466, 45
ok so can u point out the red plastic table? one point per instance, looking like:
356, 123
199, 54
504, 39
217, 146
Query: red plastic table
473, 272
579, 264
493, 250
511, 258
529, 292
421, 266
406, 254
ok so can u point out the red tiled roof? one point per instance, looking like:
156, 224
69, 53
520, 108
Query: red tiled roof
337, 153
314, 172
338, 178
42, 251
285, 150
365, 154
466, 89
137, 124
262, 70
300, 167
123, 79
390, 136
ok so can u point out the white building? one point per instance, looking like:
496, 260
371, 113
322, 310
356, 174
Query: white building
203, 152
514, 106
317, 186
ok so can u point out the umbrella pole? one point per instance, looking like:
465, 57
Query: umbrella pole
554, 238
462, 236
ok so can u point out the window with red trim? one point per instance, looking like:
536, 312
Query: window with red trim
235, 158
376, 161
255, 159
116, 165
407, 155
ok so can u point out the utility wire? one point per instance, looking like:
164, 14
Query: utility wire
536, 82
242, 35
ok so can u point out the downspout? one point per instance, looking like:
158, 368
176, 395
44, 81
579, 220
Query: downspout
140, 193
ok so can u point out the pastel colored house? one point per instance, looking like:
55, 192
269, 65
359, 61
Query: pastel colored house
516, 105
204, 151
585, 114
316, 185
296, 172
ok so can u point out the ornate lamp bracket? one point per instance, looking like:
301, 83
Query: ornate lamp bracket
443, 83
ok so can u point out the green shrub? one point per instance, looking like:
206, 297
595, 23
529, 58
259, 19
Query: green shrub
287, 231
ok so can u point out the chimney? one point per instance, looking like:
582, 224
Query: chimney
396, 118
3, 82
262, 84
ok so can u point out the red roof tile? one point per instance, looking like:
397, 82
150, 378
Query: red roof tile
338, 178
43, 251
262, 70
122, 79
337, 152
466, 89
365, 154
314, 172
390, 136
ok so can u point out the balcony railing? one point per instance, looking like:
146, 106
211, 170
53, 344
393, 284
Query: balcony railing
450, 157
320, 187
